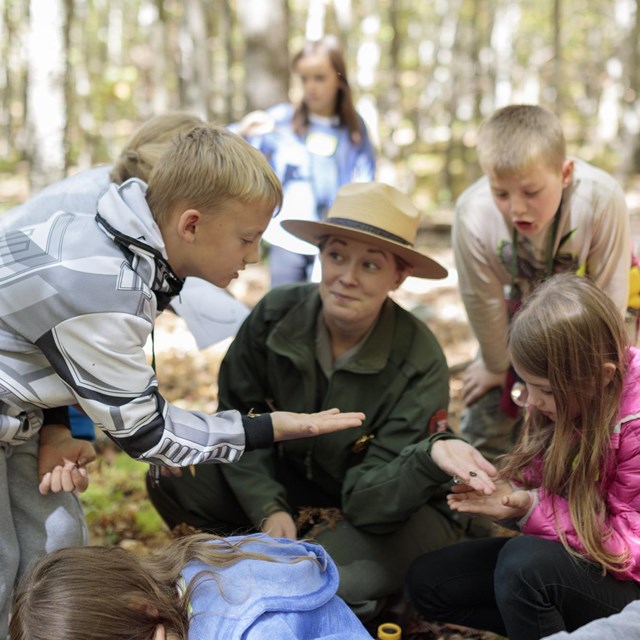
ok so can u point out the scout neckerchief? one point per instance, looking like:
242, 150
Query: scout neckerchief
515, 293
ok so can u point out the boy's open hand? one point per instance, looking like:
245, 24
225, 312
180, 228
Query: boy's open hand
503, 504
477, 380
62, 460
288, 425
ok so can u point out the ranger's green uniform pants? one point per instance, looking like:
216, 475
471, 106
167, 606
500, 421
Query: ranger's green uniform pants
372, 566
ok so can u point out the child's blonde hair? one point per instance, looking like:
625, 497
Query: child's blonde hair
149, 142
102, 593
570, 333
516, 137
205, 168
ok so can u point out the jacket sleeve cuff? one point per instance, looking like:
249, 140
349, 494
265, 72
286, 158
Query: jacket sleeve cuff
258, 431
59, 415
535, 500
440, 435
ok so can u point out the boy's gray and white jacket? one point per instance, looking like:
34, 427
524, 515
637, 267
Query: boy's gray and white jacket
78, 298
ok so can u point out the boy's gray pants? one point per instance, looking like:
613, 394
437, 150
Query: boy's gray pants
30, 524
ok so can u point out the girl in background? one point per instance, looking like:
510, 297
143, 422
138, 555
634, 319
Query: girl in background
569, 485
315, 147
199, 587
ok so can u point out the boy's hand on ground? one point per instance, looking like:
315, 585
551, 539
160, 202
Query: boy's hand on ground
62, 460
280, 525
458, 458
477, 380
288, 425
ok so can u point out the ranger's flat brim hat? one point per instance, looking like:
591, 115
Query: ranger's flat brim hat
377, 214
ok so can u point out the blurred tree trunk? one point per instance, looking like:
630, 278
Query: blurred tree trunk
196, 67
46, 110
159, 68
81, 135
68, 87
505, 26
395, 45
344, 20
265, 24
13, 54
630, 111
380, 65
452, 90
6, 81
114, 33
558, 72
227, 88
315, 25
483, 79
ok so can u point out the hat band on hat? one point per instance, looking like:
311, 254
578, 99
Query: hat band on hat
368, 228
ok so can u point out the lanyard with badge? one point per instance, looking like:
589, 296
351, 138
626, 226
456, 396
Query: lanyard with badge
321, 143
321, 147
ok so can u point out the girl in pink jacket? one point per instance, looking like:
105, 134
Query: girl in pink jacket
571, 485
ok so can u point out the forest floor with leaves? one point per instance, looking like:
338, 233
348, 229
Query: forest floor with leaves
116, 506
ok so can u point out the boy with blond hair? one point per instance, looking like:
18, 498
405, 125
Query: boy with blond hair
535, 212
79, 294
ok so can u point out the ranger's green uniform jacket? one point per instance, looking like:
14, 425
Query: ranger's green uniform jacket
399, 379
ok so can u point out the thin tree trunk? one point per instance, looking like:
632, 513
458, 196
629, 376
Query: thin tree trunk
558, 71
197, 67
265, 24
46, 110
228, 86
159, 88
630, 112
68, 88
6, 41
314, 29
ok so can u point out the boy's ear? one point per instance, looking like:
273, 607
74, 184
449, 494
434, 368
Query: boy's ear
567, 173
188, 222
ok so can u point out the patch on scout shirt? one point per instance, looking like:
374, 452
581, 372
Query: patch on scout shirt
439, 421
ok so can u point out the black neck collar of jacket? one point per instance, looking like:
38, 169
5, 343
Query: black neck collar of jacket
167, 284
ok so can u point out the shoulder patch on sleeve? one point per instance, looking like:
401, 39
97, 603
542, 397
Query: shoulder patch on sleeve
439, 421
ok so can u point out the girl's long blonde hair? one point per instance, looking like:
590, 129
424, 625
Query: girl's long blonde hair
107, 593
570, 333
